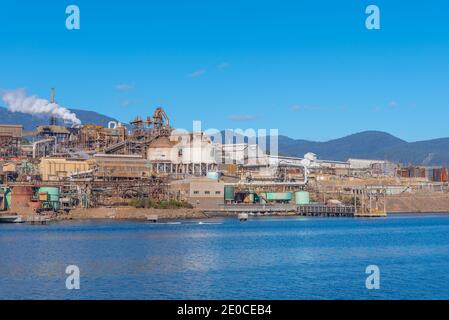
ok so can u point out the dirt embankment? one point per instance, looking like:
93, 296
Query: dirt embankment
416, 203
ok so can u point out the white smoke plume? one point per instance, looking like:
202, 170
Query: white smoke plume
18, 101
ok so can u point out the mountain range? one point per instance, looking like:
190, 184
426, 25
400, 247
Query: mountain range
364, 145
30, 122
372, 145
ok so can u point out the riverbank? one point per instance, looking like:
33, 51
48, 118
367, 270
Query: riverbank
404, 203
135, 213
141, 214
125, 213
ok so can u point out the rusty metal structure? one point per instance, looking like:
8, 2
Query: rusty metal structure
142, 134
10, 138
107, 167
97, 138
113, 193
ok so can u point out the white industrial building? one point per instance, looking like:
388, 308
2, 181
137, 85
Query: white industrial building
363, 163
196, 154
374, 167
239, 153
183, 153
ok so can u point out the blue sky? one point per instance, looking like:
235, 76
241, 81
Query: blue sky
308, 68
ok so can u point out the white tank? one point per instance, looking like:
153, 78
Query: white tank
112, 124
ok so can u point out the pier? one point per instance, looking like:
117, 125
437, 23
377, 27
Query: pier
310, 210
250, 209
39, 220
326, 211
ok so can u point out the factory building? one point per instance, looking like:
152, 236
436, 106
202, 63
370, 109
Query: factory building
57, 169
8, 172
372, 167
385, 168
294, 167
53, 131
10, 138
97, 138
182, 153
60, 133
362, 163
117, 167
239, 153
201, 192
101, 167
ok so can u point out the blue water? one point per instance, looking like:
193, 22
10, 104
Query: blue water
264, 258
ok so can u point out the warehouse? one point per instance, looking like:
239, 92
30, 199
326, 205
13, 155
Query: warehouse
182, 153
201, 192
119, 167
57, 169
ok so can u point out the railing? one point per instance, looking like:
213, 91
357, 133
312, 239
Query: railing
323, 210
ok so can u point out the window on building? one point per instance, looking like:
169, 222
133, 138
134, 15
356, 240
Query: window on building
217, 192
196, 192
206, 192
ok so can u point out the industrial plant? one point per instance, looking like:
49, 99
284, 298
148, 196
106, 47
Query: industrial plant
62, 170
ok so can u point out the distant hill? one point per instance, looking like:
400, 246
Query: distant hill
364, 145
30, 122
372, 145
368, 145
361, 145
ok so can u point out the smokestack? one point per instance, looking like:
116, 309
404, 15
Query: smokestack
52, 95
53, 120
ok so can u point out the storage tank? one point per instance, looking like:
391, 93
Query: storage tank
279, 196
52, 201
7, 199
213, 175
302, 197
263, 198
21, 197
229, 192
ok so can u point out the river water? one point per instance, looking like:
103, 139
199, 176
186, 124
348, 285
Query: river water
264, 258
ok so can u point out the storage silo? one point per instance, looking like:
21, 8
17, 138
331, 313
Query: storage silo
51, 201
8, 199
213, 175
21, 197
279, 196
302, 197
263, 198
229, 193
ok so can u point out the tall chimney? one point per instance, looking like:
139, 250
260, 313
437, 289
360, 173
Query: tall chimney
53, 120
52, 99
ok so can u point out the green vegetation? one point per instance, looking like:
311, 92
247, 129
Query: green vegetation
148, 203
